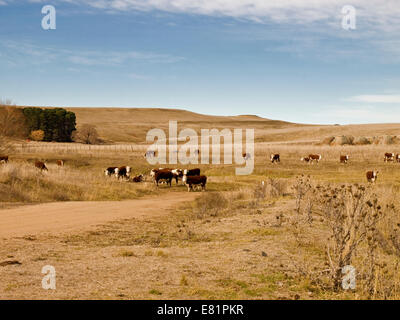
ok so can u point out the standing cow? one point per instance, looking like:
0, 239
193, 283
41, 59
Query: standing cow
372, 176
163, 175
275, 157
123, 172
110, 171
191, 181
315, 157
389, 157
60, 163
41, 166
344, 159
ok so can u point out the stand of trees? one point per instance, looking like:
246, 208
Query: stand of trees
57, 124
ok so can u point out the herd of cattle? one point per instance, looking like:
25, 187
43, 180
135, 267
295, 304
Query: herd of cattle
192, 178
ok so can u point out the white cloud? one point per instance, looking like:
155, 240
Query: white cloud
377, 13
40, 55
386, 98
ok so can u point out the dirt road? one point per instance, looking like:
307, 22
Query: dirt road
70, 216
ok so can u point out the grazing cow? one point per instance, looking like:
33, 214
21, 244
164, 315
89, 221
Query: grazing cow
3, 159
150, 154
398, 158
60, 163
155, 170
372, 176
191, 172
275, 157
178, 174
315, 157
344, 159
388, 157
191, 181
41, 165
110, 171
246, 156
165, 175
138, 178
123, 172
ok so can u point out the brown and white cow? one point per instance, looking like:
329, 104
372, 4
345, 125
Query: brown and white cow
110, 171
344, 159
155, 170
388, 157
372, 176
305, 159
315, 157
163, 175
275, 157
60, 163
178, 174
3, 159
41, 165
123, 172
191, 181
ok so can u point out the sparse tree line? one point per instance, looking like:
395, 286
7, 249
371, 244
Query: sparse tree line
55, 124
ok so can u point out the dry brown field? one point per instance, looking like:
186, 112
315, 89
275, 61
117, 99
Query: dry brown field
237, 240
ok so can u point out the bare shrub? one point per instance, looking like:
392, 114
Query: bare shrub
301, 189
210, 204
86, 134
351, 214
12, 121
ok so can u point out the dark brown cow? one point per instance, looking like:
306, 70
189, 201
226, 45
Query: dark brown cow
60, 163
166, 175
137, 178
155, 170
275, 157
344, 159
191, 172
3, 159
315, 157
372, 176
191, 181
41, 165
388, 157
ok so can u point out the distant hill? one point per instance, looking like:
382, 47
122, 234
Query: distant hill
130, 125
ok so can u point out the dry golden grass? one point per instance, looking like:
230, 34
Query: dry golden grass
236, 241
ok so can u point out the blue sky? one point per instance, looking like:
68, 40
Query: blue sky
289, 60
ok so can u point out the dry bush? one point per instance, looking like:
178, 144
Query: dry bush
351, 214
87, 134
12, 121
210, 204
362, 141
